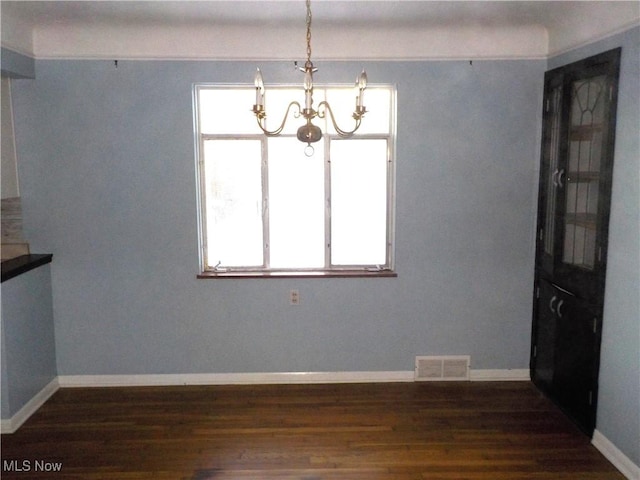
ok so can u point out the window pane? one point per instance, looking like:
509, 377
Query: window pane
358, 202
233, 184
222, 111
296, 204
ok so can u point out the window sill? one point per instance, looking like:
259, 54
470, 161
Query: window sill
310, 274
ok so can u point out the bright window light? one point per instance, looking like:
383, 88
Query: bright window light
265, 207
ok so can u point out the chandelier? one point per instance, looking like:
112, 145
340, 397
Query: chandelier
309, 133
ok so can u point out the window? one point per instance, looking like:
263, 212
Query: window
265, 208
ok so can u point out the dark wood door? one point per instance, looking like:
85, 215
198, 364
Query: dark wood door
566, 354
573, 215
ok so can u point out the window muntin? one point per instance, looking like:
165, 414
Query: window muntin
266, 207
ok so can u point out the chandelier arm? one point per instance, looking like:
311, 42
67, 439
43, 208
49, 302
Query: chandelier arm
277, 131
342, 133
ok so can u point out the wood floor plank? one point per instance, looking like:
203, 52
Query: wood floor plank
400, 431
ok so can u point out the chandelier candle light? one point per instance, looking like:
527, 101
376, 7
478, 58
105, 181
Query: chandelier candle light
309, 133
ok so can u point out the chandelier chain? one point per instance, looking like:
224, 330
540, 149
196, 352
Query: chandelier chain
308, 63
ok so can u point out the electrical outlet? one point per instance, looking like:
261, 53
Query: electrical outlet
294, 297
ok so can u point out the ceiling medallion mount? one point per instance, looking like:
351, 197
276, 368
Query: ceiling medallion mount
309, 133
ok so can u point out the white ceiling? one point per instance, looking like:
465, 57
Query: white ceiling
341, 29
288, 12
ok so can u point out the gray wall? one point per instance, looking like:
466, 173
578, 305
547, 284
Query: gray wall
108, 185
619, 396
28, 345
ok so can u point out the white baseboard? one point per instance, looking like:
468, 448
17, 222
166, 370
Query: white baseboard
70, 381
12, 424
615, 456
506, 375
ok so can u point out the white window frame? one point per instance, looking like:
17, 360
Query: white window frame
209, 271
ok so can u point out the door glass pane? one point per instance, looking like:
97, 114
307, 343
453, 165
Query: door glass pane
555, 105
583, 175
296, 204
359, 202
233, 183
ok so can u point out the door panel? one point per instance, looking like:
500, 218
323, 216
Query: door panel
544, 337
566, 352
576, 360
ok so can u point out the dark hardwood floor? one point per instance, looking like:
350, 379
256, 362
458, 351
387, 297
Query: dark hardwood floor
401, 431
